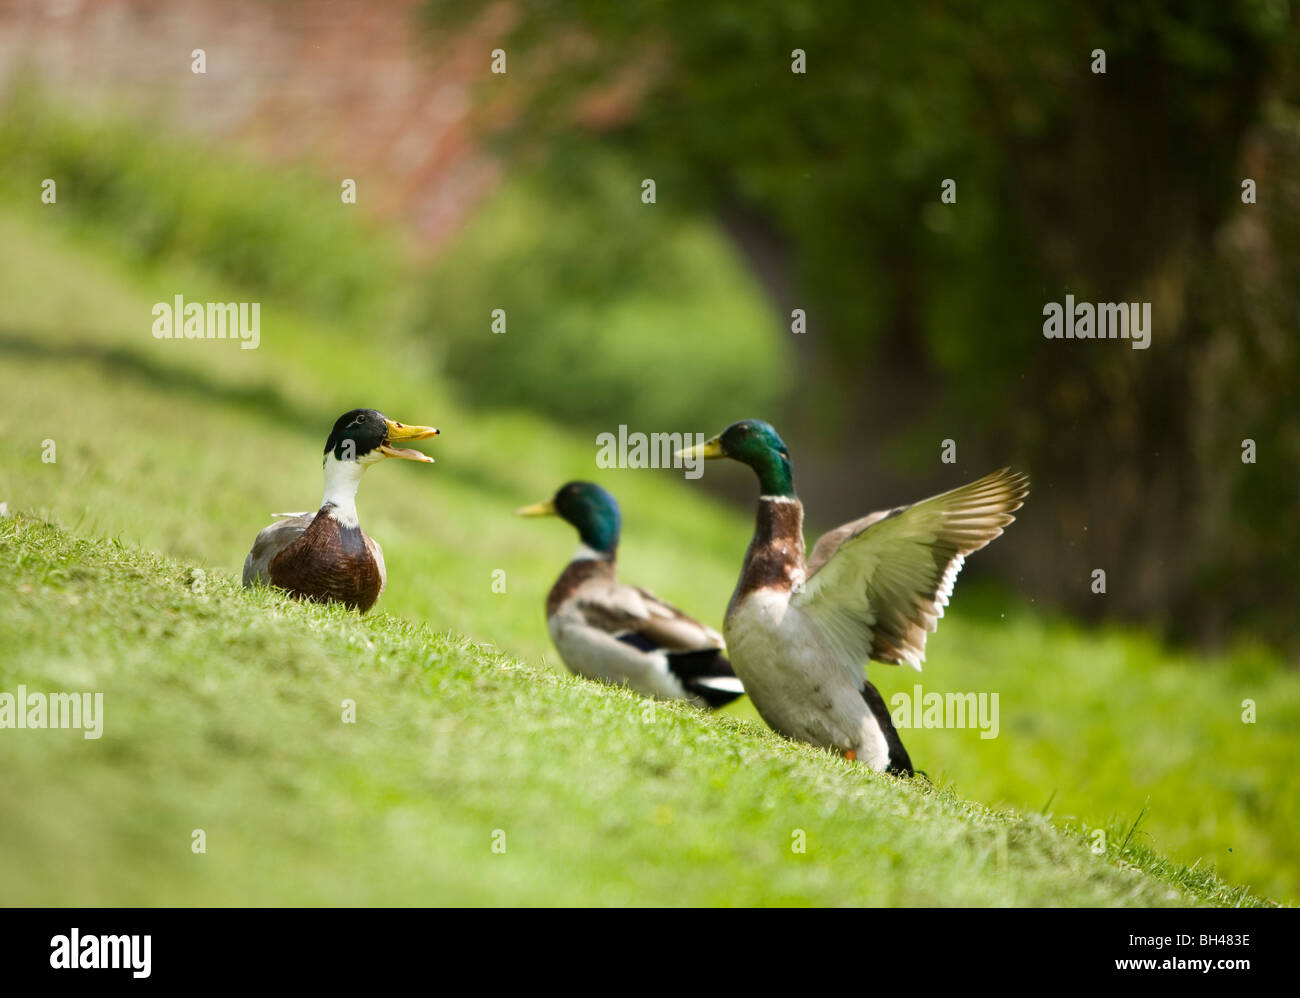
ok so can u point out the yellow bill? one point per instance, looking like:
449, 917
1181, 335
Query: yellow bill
706, 451
402, 432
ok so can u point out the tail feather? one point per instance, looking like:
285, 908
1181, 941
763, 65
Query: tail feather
899, 761
707, 674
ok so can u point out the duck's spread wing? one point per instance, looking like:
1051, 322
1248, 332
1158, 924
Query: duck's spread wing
624, 610
270, 542
878, 585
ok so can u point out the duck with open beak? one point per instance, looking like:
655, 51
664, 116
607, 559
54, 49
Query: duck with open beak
325, 555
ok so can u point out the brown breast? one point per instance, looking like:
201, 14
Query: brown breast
775, 554
330, 563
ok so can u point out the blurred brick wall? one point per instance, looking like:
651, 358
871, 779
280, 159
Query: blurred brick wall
359, 89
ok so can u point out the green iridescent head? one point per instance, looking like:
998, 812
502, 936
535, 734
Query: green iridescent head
589, 509
757, 444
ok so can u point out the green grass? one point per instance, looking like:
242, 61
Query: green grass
223, 711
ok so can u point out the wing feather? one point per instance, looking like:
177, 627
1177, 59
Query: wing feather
620, 610
619, 633
877, 586
270, 541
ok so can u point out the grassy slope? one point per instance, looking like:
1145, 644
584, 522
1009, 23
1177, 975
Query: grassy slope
222, 713
186, 447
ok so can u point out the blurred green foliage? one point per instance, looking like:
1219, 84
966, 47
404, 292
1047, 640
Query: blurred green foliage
615, 311
158, 197
1115, 186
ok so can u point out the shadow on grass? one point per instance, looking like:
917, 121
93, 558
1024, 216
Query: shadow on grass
262, 399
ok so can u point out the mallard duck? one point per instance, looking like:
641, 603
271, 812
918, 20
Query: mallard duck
619, 634
798, 632
325, 555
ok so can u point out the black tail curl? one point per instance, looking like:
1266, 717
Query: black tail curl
900, 763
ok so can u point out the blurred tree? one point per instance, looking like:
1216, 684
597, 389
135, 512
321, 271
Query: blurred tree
925, 318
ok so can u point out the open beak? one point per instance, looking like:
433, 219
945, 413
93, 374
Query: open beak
401, 432
706, 451
537, 509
